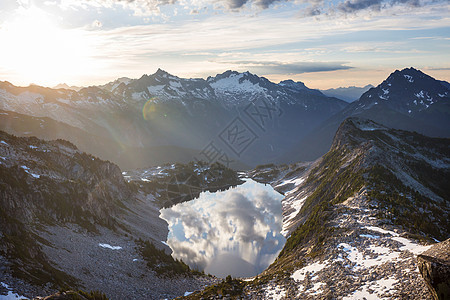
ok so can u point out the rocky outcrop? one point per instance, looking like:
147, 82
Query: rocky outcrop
434, 265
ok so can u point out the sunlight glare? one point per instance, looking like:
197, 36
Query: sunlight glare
37, 51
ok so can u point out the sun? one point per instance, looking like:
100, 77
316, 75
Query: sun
36, 50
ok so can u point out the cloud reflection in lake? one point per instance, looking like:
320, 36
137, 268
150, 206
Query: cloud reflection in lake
235, 232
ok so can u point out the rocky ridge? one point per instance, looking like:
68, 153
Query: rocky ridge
362, 241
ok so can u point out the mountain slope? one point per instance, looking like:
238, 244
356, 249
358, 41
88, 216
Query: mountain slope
107, 148
362, 209
407, 99
69, 219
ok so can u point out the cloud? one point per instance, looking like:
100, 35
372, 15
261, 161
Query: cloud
352, 6
439, 69
355, 5
229, 4
273, 67
312, 11
242, 224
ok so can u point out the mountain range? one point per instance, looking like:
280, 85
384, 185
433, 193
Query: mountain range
161, 118
238, 119
348, 94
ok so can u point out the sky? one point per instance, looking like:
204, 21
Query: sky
325, 44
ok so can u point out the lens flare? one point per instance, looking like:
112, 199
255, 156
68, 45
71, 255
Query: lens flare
149, 109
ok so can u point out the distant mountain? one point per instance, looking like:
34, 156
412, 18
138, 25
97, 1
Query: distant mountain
356, 218
234, 118
348, 94
407, 99
67, 87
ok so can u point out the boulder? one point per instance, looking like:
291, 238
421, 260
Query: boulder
434, 266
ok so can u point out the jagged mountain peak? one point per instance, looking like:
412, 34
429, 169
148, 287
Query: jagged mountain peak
408, 91
161, 73
299, 87
235, 78
409, 75
360, 124
294, 85
350, 130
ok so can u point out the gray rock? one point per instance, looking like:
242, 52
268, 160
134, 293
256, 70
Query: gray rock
434, 265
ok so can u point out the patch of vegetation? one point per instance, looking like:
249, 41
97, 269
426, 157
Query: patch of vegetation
230, 287
333, 185
261, 167
406, 207
185, 182
163, 263
295, 171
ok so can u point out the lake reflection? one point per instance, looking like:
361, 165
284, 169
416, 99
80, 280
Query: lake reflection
234, 232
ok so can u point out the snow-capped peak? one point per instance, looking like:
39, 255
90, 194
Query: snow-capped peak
163, 74
232, 81
293, 85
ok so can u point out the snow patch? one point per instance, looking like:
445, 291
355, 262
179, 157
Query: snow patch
380, 230
374, 290
27, 170
370, 236
300, 274
155, 89
108, 246
363, 261
293, 204
231, 83
315, 290
275, 293
409, 78
411, 246
10, 295
295, 181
